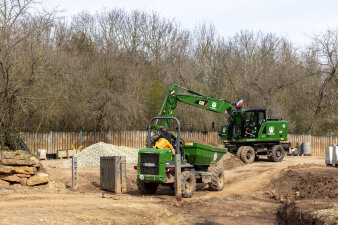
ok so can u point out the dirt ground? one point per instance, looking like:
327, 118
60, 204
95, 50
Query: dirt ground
260, 193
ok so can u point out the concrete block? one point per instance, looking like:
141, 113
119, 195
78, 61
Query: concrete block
62, 154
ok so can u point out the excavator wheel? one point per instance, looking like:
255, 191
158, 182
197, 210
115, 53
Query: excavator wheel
248, 154
277, 153
239, 152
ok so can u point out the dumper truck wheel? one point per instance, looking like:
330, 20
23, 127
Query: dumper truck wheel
248, 154
277, 153
188, 184
217, 179
146, 188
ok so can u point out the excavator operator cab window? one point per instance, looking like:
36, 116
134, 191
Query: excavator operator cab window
252, 121
261, 117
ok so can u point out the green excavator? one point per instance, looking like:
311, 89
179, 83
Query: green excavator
248, 133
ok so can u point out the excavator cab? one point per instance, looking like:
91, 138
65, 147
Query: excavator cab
252, 121
245, 124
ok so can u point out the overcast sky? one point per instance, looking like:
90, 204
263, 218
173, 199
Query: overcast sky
294, 19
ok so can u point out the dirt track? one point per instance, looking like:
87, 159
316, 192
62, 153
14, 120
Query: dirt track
244, 200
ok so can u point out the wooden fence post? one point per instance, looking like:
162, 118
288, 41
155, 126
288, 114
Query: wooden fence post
81, 138
216, 137
51, 142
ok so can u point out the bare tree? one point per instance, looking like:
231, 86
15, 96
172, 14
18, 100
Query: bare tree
325, 49
20, 28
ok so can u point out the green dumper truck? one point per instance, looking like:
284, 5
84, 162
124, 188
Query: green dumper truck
192, 163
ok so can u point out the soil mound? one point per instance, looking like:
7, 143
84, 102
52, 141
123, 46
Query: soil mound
305, 183
229, 161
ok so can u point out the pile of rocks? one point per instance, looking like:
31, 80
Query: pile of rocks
20, 168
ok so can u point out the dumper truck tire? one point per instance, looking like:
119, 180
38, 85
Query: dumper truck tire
239, 152
146, 188
277, 153
248, 154
217, 179
188, 184
172, 187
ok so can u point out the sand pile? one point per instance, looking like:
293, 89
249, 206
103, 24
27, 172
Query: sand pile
229, 161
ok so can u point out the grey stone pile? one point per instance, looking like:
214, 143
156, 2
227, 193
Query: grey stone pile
90, 156
20, 168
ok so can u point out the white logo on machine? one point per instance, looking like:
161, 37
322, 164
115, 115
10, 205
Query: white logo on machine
271, 129
213, 105
283, 125
215, 156
141, 177
201, 103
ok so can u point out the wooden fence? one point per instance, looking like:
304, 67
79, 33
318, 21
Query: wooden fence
55, 141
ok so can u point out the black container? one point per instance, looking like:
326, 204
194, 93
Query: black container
51, 156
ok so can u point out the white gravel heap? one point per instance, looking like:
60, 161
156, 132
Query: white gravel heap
90, 156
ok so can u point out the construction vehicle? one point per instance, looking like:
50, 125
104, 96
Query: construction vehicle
192, 163
248, 133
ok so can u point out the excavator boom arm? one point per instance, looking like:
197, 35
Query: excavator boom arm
196, 99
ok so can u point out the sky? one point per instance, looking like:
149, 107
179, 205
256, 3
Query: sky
296, 20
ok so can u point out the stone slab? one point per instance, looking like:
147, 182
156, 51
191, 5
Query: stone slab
6, 169
23, 181
23, 175
18, 162
39, 178
19, 154
10, 178
4, 183
25, 170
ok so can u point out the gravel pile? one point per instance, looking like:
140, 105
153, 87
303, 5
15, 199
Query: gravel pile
90, 156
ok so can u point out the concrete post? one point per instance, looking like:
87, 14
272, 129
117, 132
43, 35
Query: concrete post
74, 172
216, 138
110, 137
331, 140
138, 139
